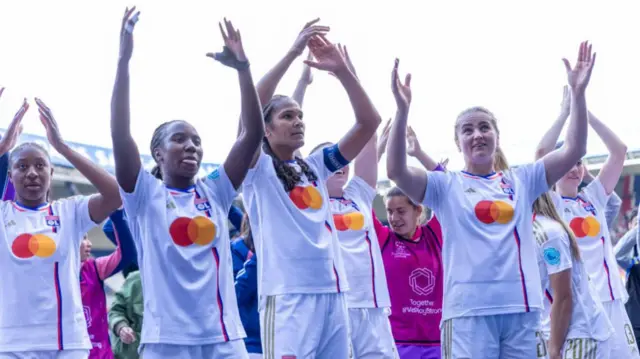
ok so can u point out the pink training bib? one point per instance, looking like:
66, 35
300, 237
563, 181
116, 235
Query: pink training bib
94, 303
416, 285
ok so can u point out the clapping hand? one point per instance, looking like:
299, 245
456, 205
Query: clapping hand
327, 56
50, 124
14, 130
401, 91
579, 76
309, 30
232, 54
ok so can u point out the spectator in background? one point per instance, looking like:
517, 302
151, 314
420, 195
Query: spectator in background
626, 252
245, 270
125, 318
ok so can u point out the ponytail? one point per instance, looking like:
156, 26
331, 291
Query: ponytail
544, 206
500, 160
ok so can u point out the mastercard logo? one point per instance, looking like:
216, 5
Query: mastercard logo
29, 245
494, 211
187, 231
306, 197
351, 221
585, 227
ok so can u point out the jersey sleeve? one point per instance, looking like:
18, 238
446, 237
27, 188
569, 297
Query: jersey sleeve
253, 174
145, 184
359, 189
556, 253
594, 192
435, 194
624, 249
221, 187
533, 177
125, 252
327, 161
246, 283
83, 220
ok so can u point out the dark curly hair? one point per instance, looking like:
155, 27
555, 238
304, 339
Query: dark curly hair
287, 174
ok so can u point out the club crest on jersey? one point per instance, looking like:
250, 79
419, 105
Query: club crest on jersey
52, 221
506, 188
588, 207
202, 204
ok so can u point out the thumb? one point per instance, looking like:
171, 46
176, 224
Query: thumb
313, 64
211, 55
567, 65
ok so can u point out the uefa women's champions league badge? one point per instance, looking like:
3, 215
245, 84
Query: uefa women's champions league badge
552, 256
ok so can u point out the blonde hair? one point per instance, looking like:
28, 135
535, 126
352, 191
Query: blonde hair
499, 159
544, 206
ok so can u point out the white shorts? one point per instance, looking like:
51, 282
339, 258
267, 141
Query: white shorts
506, 336
255, 356
305, 326
623, 342
371, 333
585, 349
47, 354
233, 349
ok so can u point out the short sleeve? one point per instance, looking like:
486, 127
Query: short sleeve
534, 177
254, 173
359, 189
327, 161
556, 253
83, 220
219, 184
594, 192
141, 192
435, 191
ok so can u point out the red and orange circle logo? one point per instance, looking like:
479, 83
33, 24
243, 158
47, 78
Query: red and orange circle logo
585, 227
197, 230
351, 221
306, 197
494, 211
29, 245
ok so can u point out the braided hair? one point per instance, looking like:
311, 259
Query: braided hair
287, 174
159, 134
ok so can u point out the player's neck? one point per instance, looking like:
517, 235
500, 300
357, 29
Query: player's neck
480, 169
33, 204
567, 192
335, 192
178, 182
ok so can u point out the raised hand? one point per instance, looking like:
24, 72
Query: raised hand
327, 56
232, 54
345, 55
383, 139
579, 76
126, 33
50, 124
413, 145
401, 92
309, 30
10, 137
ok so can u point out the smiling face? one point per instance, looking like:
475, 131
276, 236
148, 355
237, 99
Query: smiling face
285, 128
477, 136
177, 148
403, 216
30, 171
338, 179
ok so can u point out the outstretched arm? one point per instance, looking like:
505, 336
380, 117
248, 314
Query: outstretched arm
412, 181
267, 85
550, 138
305, 80
108, 198
125, 150
332, 58
248, 142
560, 161
612, 168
